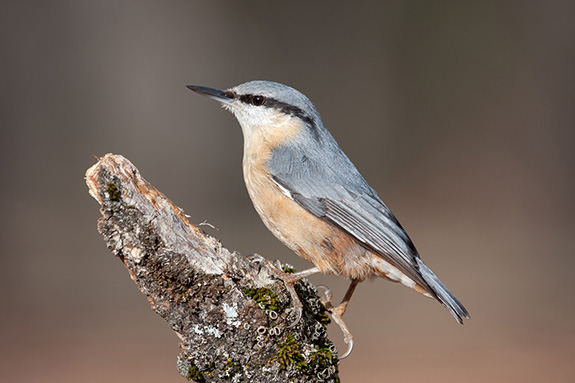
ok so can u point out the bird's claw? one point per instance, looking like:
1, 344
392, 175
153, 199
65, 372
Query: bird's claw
289, 282
328, 295
347, 337
336, 313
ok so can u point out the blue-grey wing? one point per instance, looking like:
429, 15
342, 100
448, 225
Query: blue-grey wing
316, 174
366, 218
362, 216
319, 176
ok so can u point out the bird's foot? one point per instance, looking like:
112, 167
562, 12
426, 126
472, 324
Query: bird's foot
289, 283
336, 313
347, 337
289, 280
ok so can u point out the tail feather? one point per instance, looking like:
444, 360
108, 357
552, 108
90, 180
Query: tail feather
442, 293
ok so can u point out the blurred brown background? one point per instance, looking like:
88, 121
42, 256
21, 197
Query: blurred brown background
460, 114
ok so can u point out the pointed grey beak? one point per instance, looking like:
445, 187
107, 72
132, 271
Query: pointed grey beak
216, 94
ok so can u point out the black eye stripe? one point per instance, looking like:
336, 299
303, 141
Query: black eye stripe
253, 99
288, 109
292, 110
258, 100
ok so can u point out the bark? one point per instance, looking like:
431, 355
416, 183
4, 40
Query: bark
231, 315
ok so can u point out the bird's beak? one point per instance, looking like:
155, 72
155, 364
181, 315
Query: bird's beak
222, 96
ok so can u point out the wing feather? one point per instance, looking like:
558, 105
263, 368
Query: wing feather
313, 171
369, 222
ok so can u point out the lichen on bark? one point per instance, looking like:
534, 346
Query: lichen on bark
231, 316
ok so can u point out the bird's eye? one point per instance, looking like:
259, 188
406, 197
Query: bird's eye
258, 100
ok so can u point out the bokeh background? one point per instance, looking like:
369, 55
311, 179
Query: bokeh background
460, 114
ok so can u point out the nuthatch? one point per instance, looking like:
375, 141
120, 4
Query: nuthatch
314, 200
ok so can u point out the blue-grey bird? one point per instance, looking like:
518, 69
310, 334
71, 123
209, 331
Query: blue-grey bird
314, 200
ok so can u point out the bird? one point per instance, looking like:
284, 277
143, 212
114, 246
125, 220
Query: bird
311, 196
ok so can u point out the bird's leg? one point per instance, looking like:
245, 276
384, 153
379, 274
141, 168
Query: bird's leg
289, 280
340, 309
337, 313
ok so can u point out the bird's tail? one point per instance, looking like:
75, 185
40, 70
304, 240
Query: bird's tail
442, 293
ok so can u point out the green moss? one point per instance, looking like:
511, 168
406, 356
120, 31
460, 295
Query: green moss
323, 318
195, 374
322, 355
264, 297
289, 270
289, 354
113, 191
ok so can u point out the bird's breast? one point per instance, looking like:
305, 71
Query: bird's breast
312, 238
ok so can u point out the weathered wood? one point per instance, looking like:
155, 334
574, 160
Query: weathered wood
229, 312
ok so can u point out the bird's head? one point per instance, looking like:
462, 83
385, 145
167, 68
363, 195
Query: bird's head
266, 109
